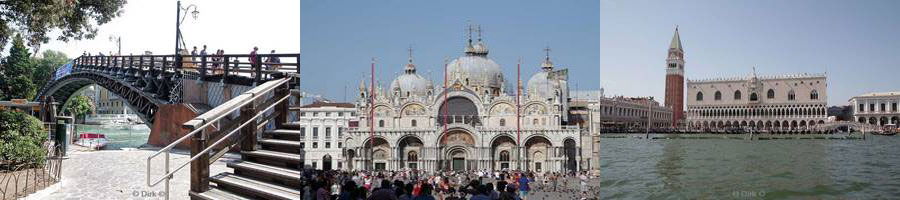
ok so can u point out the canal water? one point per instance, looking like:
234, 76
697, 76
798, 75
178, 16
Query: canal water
744, 169
119, 136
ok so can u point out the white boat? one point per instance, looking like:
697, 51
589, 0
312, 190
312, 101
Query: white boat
92, 140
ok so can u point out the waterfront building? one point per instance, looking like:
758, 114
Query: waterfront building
321, 126
674, 99
766, 103
877, 108
471, 124
628, 114
109, 103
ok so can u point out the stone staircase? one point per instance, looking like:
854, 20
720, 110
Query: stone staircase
272, 171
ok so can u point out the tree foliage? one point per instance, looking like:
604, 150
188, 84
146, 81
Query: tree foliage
78, 106
46, 66
16, 72
21, 138
74, 19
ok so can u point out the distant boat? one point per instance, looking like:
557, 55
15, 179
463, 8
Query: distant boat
92, 140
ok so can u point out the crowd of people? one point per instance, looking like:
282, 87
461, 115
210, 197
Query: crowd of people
447, 185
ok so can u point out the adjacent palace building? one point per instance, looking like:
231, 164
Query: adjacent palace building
879, 108
470, 125
764, 103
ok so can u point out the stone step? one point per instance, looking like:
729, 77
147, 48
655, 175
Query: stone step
214, 193
280, 142
284, 132
267, 172
251, 187
288, 158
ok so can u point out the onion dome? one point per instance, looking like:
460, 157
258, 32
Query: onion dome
409, 83
540, 84
475, 69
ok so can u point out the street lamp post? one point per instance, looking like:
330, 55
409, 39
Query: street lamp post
178, 20
118, 40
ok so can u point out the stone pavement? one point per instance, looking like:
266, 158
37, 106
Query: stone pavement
121, 174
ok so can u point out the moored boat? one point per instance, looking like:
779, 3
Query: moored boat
92, 140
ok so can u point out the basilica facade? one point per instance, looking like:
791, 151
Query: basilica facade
471, 121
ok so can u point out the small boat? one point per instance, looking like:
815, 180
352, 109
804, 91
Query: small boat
92, 140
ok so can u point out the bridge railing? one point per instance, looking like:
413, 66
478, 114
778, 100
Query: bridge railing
270, 96
258, 68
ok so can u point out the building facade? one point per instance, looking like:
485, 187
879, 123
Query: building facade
764, 103
473, 122
877, 108
628, 114
321, 126
674, 99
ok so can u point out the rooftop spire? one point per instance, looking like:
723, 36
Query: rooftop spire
410, 67
479, 32
676, 40
547, 65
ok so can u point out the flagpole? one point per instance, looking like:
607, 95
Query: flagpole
444, 105
372, 117
518, 129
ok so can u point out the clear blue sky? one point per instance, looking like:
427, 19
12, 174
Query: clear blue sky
856, 42
339, 38
617, 45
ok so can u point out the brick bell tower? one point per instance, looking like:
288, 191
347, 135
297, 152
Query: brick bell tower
675, 79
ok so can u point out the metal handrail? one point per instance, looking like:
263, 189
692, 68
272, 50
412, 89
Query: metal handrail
242, 101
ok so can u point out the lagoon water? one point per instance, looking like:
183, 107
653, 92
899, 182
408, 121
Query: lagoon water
749, 169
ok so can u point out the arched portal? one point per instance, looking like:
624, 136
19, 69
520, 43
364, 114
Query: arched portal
501, 150
455, 144
380, 153
326, 162
409, 148
537, 149
570, 153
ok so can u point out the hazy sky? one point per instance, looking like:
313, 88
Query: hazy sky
233, 25
617, 45
339, 38
856, 42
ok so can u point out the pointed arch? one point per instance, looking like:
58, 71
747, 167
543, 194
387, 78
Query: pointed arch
770, 94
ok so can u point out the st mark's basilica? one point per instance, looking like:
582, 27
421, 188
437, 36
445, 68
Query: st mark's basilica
470, 125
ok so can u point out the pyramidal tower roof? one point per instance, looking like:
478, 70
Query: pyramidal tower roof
676, 41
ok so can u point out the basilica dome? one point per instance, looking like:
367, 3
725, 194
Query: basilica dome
409, 83
540, 85
476, 70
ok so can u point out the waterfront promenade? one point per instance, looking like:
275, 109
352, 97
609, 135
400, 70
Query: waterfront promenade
119, 174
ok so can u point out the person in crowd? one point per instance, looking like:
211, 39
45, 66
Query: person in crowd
194, 54
425, 194
385, 192
523, 186
253, 63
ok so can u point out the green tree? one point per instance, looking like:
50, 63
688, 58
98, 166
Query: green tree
16, 73
79, 106
46, 66
74, 19
21, 138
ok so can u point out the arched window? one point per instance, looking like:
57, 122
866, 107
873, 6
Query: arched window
699, 96
535, 122
753, 97
717, 96
502, 122
737, 95
814, 95
770, 94
380, 123
791, 95
413, 123
504, 156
